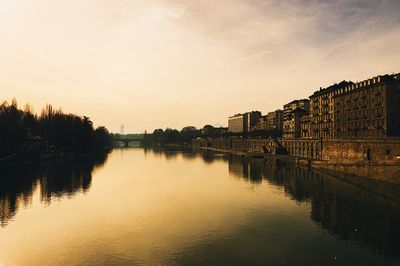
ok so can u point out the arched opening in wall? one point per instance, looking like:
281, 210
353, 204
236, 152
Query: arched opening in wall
368, 155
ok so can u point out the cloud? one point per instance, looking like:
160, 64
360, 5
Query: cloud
257, 24
166, 56
294, 34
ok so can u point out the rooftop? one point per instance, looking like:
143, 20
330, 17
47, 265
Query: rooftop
332, 88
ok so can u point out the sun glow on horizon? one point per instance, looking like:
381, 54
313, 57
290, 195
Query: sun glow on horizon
174, 63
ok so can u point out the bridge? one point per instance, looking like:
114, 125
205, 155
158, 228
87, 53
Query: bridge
127, 141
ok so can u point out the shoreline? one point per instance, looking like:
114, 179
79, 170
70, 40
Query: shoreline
47, 157
385, 172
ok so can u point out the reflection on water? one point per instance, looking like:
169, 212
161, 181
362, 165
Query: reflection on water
147, 206
344, 209
54, 180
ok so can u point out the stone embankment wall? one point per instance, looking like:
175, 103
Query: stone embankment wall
237, 145
384, 151
301, 148
377, 159
335, 151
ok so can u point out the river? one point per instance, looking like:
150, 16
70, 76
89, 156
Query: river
145, 207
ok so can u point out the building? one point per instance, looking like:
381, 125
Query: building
252, 119
240, 123
236, 123
262, 123
275, 120
271, 121
293, 105
322, 110
305, 124
292, 112
368, 109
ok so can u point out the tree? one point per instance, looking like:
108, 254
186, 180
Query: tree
67, 132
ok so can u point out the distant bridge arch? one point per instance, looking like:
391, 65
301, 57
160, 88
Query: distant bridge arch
126, 142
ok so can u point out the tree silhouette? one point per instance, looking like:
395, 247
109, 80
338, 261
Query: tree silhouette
24, 133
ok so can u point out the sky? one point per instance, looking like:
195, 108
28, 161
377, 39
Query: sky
174, 63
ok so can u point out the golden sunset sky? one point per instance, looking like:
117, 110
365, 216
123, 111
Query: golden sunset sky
157, 63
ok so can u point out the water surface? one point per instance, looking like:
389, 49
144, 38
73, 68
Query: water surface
151, 207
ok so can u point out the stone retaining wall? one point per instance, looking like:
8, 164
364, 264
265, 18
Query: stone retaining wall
374, 159
380, 151
334, 151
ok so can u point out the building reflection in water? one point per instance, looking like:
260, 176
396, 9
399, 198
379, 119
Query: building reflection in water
54, 180
345, 209
364, 212
354, 209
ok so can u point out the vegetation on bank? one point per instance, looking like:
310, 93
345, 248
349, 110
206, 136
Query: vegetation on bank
187, 134
26, 134
170, 135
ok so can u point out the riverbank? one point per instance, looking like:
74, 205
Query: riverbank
373, 159
16, 160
